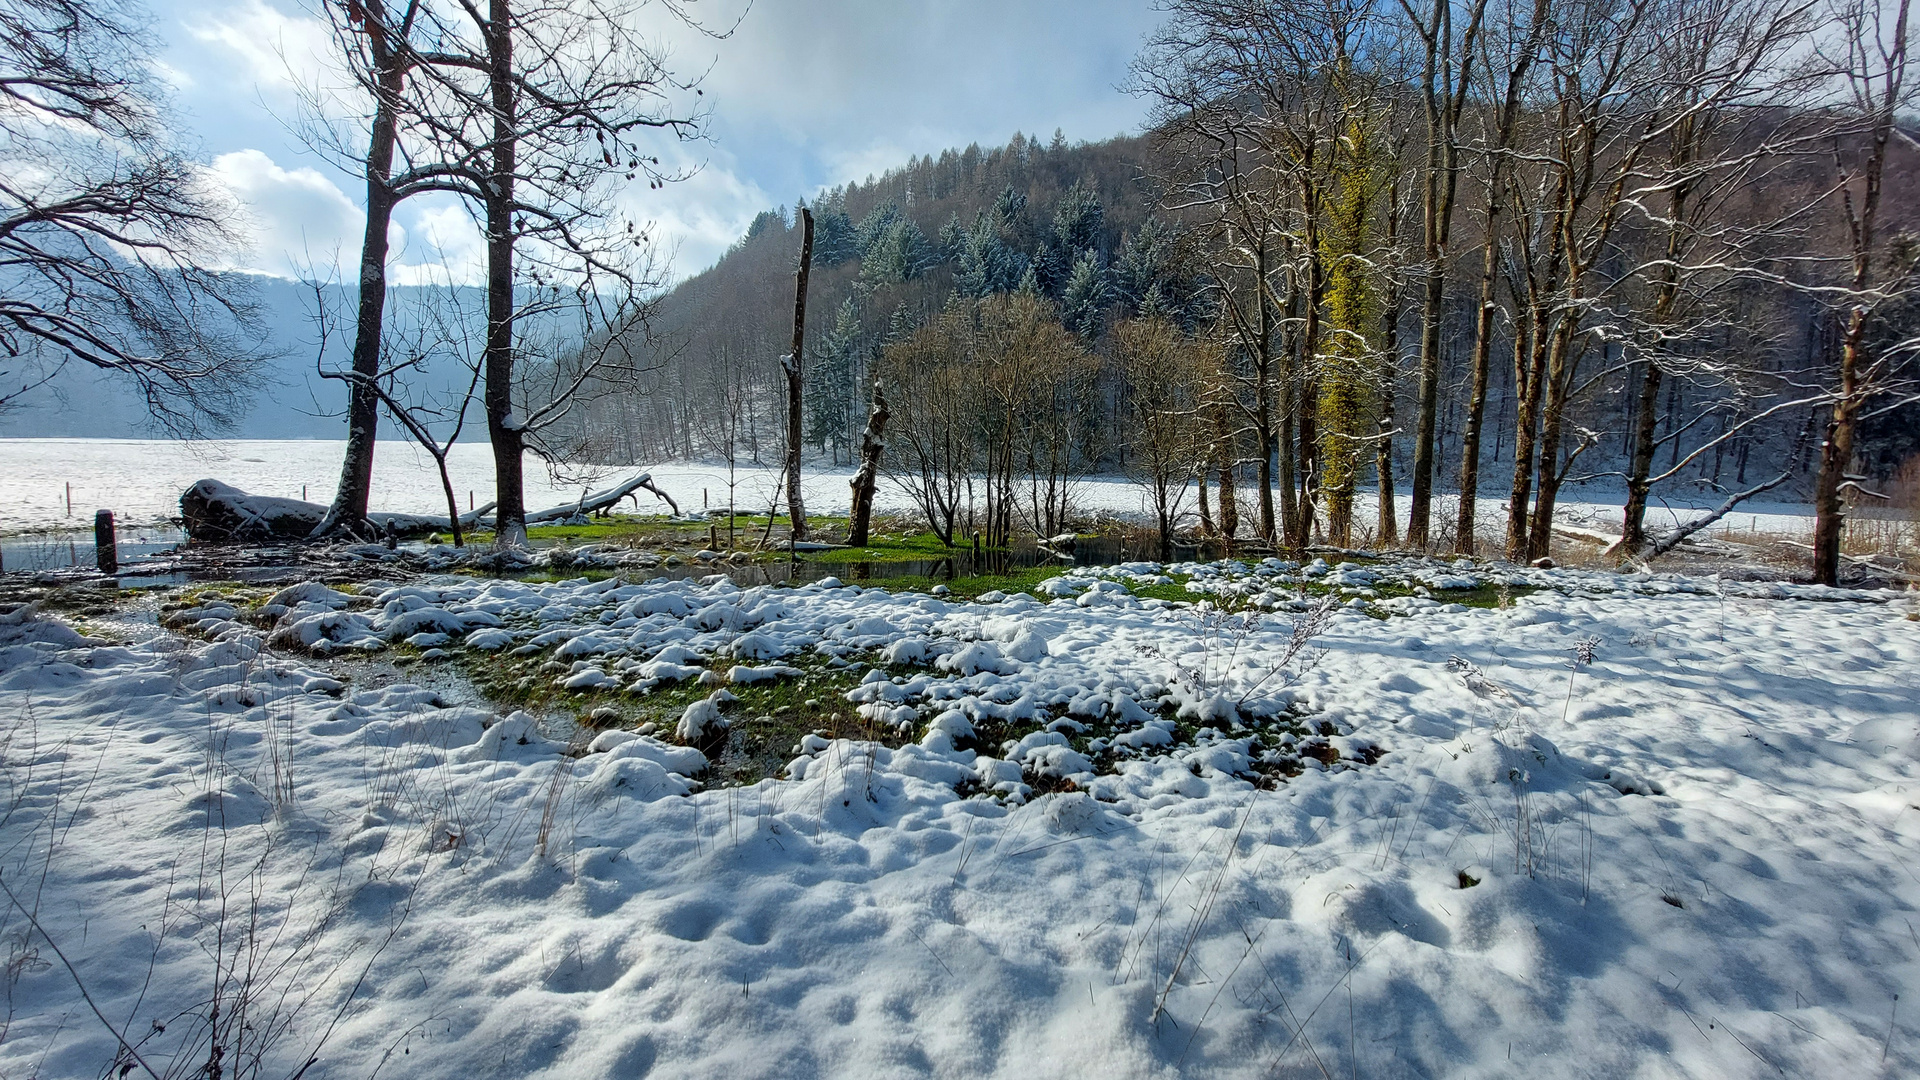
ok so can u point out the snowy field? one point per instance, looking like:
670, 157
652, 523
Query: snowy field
1692, 857
141, 482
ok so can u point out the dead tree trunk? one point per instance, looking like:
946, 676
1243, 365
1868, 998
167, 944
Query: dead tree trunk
864, 480
796, 509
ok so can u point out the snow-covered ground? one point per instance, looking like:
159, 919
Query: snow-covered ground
1691, 857
141, 482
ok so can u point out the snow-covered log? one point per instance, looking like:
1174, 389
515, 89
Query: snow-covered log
605, 500
216, 511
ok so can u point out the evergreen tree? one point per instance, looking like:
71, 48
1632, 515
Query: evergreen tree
765, 220
834, 376
1078, 228
835, 240
876, 225
1084, 301
953, 236
901, 253
984, 265
1010, 209
1148, 263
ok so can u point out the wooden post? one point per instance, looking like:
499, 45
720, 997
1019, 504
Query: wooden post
106, 551
796, 510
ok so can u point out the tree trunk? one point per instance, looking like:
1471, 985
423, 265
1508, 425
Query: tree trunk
796, 508
1836, 453
1227, 450
349, 510
1263, 408
1529, 375
1477, 397
505, 428
1559, 389
1308, 392
1389, 533
869, 473
1283, 438
1633, 527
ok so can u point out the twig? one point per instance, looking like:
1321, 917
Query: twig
68, 964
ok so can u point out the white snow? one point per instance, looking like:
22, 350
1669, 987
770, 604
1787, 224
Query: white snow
141, 481
1691, 857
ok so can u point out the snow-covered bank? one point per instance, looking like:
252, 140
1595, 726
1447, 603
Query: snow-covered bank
1688, 858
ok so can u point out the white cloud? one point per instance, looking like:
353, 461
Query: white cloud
280, 52
299, 222
805, 96
694, 221
443, 245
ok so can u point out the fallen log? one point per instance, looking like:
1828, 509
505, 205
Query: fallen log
606, 500
215, 511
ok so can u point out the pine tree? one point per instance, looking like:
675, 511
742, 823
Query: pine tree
833, 393
835, 239
901, 253
952, 236
984, 264
875, 227
1078, 227
1084, 302
1148, 262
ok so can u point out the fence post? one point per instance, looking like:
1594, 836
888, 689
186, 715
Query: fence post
106, 550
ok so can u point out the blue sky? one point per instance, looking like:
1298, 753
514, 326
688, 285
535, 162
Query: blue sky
805, 94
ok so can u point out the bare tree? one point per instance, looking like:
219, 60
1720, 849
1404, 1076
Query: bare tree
1872, 62
1724, 75
107, 231
935, 405
791, 365
535, 110
1446, 76
441, 335
1162, 421
1518, 42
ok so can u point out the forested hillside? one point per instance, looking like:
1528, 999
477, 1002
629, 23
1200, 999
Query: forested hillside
1101, 236
1076, 224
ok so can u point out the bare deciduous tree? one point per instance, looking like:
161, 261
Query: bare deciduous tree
108, 233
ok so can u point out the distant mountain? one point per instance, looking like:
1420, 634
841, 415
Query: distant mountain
293, 403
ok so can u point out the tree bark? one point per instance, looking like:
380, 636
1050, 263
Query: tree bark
1481, 364
869, 473
1559, 387
348, 512
505, 428
1633, 526
1836, 453
1530, 363
1389, 534
1263, 407
796, 507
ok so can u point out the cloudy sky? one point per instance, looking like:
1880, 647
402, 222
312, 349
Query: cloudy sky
804, 94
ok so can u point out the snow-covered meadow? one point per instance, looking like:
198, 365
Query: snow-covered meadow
1692, 856
141, 481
